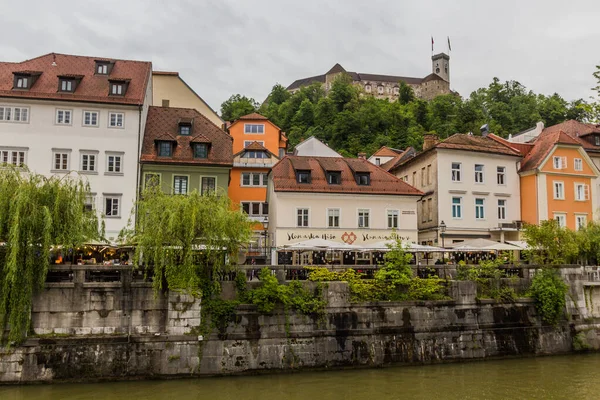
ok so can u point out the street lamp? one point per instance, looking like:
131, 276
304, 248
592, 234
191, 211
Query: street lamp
443, 230
265, 224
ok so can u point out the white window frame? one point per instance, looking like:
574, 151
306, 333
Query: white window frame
458, 206
561, 216
65, 154
578, 224
597, 140
502, 209
91, 112
479, 175
368, 88
391, 215
187, 184
66, 85
331, 211
88, 153
249, 142
254, 133
555, 185
11, 156
456, 172
116, 89
578, 164
102, 69
559, 162
501, 175
263, 179
22, 82
115, 154
251, 203
307, 216
116, 114
480, 209
145, 182
64, 112
112, 197
585, 191
209, 176
363, 211
11, 112
91, 201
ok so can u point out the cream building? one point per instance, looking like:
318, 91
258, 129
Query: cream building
338, 199
315, 148
169, 90
470, 183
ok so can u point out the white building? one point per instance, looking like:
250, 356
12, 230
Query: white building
338, 199
470, 183
313, 147
62, 114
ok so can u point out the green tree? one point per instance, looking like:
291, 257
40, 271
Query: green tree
278, 95
550, 244
406, 94
237, 106
36, 213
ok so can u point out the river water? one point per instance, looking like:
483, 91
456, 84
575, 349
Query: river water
559, 377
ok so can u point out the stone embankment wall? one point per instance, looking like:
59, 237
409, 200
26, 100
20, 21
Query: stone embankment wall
123, 332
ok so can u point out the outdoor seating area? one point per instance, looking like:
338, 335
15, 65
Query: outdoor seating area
92, 253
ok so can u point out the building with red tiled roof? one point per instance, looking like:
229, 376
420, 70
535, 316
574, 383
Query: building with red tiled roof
345, 200
63, 113
384, 155
184, 151
470, 185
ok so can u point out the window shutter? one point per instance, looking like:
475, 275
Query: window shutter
563, 162
586, 192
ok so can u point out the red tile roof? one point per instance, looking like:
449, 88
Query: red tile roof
255, 146
382, 182
544, 143
575, 128
91, 88
252, 116
163, 124
385, 151
523, 148
399, 159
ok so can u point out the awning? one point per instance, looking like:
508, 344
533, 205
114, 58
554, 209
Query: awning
482, 245
519, 243
409, 247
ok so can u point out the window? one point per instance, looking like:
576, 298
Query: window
423, 211
302, 217
14, 114
457, 207
456, 172
429, 174
185, 129
88, 162
334, 178
501, 175
559, 190
151, 180
255, 209
254, 179
561, 219
165, 149
114, 163
479, 209
414, 177
61, 160
578, 164
363, 218
112, 206
333, 217
115, 119
255, 154
396, 90
303, 176
14, 157
582, 192
66, 85
378, 161
423, 176
478, 173
208, 185
580, 221
254, 128
597, 140
90, 202
429, 210
392, 219
22, 82
200, 150
180, 184
380, 89
102, 69
368, 88
63, 117
249, 142
116, 89
502, 209
363, 178
559, 162
90, 118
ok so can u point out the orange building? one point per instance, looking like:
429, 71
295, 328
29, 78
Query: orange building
258, 145
558, 180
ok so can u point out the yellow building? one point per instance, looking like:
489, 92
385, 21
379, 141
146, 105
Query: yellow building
169, 90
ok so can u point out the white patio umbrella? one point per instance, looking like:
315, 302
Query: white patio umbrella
319, 244
482, 245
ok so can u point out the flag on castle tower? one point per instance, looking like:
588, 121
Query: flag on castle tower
432, 43
449, 47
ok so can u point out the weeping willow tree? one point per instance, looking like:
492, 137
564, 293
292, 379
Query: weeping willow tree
183, 239
36, 213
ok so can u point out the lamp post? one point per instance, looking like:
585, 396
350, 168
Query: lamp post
265, 224
443, 230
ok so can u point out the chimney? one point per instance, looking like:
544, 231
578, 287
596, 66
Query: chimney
485, 129
429, 140
362, 156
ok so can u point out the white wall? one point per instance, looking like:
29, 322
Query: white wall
313, 147
41, 134
468, 190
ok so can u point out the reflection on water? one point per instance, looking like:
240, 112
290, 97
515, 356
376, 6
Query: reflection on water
561, 377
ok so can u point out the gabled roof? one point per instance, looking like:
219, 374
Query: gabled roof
382, 182
399, 159
255, 146
163, 124
337, 68
385, 151
315, 148
575, 128
543, 145
253, 116
92, 87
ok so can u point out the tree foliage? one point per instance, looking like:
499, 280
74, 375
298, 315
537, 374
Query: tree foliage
550, 244
237, 106
186, 238
549, 291
36, 213
351, 121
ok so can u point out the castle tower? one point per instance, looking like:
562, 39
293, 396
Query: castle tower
441, 65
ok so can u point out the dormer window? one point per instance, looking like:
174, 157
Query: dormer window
200, 150
255, 154
303, 176
66, 85
185, 129
103, 67
118, 87
363, 178
22, 82
380, 89
334, 177
368, 88
165, 149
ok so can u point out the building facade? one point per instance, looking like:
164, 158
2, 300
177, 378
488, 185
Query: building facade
470, 184
184, 151
338, 199
388, 86
170, 90
63, 114
313, 147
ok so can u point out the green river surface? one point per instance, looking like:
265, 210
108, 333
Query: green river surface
558, 377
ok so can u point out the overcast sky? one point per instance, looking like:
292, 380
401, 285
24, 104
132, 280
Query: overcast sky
222, 47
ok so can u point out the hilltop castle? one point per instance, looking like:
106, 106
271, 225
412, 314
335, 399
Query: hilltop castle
388, 86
